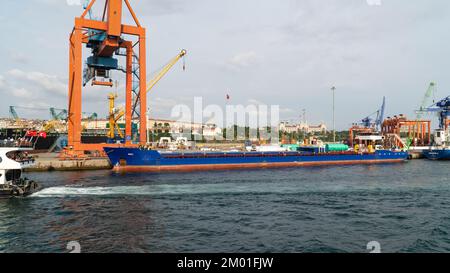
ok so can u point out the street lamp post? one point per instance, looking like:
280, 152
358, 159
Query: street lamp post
333, 89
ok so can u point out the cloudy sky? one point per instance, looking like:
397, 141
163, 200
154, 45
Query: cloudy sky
287, 52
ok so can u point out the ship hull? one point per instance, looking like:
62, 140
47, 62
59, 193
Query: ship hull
134, 159
437, 154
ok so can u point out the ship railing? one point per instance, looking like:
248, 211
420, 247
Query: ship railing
26, 162
8, 144
256, 154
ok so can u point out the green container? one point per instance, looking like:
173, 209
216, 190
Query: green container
291, 147
336, 147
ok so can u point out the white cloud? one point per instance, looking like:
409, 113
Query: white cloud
32, 89
285, 110
49, 83
21, 93
2, 82
244, 59
20, 58
255, 101
162, 105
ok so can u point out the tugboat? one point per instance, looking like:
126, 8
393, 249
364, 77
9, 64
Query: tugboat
12, 162
441, 148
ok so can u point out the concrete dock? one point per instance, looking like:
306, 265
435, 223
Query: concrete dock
51, 162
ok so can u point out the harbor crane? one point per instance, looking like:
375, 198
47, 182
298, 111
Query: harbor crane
368, 124
13, 112
18, 120
58, 114
115, 115
107, 38
163, 72
442, 108
166, 69
431, 91
61, 114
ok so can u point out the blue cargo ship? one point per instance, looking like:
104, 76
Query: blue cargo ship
141, 159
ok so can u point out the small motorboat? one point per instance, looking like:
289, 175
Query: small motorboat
12, 162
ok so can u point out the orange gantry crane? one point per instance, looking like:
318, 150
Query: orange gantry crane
418, 131
108, 38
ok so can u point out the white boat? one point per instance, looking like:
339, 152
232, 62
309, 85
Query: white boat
12, 162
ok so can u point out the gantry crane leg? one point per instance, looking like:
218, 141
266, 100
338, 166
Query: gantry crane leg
142, 89
74, 115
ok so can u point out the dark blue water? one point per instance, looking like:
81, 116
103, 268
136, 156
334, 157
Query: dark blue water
405, 207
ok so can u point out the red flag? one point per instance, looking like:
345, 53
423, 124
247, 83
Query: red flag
43, 134
31, 133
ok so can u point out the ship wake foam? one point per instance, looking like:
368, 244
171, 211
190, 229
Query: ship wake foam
205, 189
156, 190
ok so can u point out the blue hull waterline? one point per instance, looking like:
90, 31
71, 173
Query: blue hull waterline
437, 154
151, 160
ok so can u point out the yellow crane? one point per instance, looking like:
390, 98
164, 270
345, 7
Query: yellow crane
163, 72
166, 69
114, 115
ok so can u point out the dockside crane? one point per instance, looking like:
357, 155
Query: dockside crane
163, 72
442, 109
107, 38
61, 114
13, 112
166, 69
58, 114
375, 123
114, 116
18, 120
444, 113
431, 91
369, 124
